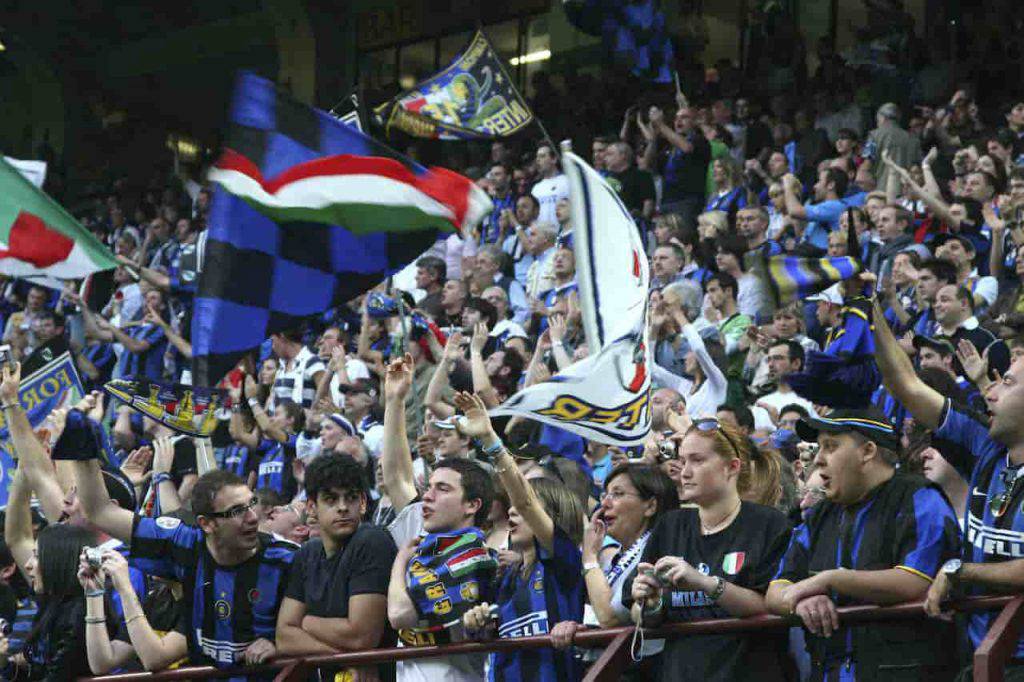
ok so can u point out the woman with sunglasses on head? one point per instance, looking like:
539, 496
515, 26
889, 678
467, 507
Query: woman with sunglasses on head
714, 559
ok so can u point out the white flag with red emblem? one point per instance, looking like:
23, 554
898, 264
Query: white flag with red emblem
605, 396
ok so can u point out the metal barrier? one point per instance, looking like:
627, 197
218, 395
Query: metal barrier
989, 659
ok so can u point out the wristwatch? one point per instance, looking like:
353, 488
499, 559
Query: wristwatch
589, 566
951, 569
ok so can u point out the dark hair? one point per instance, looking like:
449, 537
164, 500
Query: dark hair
294, 412
943, 270
207, 487
435, 266
965, 295
536, 202
506, 167
60, 547
53, 316
795, 407
839, 178
485, 308
333, 471
651, 483
735, 244
269, 497
291, 335
725, 280
793, 349
744, 417
476, 485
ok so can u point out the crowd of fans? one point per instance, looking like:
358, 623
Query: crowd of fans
845, 449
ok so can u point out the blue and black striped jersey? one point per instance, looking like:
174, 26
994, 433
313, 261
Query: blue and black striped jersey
226, 607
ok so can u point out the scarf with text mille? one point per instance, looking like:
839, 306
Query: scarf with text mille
449, 574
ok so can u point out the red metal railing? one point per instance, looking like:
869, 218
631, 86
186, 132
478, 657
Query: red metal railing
989, 659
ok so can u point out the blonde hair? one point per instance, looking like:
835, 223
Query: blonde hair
760, 478
719, 219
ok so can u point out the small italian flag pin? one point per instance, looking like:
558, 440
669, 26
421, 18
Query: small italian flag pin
733, 562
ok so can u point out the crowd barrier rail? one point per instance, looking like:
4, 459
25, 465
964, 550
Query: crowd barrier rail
990, 658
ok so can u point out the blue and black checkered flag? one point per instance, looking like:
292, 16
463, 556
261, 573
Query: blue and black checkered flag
308, 213
634, 32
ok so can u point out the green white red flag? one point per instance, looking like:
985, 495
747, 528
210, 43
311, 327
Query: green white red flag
39, 239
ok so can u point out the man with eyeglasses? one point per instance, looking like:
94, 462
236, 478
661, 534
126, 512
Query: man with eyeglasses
336, 599
993, 559
877, 538
238, 572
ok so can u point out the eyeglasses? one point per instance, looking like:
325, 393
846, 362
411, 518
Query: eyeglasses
713, 424
616, 495
234, 512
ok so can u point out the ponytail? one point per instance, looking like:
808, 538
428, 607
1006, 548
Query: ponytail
761, 477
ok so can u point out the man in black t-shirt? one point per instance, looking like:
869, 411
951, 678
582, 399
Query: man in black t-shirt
635, 187
336, 598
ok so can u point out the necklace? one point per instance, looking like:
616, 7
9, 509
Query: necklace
709, 530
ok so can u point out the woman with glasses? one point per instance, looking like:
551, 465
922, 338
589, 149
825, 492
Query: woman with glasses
714, 559
635, 496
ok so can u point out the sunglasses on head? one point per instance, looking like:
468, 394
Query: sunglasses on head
707, 424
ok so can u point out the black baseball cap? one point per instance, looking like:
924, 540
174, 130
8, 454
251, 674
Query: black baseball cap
868, 422
940, 344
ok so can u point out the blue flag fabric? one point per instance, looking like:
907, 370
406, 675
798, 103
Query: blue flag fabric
54, 385
260, 276
634, 32
472, 98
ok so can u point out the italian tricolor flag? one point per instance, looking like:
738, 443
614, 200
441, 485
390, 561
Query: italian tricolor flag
38, 238
363, 194
733, 562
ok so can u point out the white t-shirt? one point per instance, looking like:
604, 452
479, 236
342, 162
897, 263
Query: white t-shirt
408, 524
356, 370
548, 193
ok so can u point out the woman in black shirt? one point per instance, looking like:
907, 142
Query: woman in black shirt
714, 560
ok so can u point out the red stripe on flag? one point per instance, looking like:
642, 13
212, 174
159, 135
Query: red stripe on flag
30, 240
442, 185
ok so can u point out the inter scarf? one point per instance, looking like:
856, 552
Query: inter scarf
450, 573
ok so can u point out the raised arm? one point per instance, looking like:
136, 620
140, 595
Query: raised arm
899, 377
791, 194
481, 380
175, 339
40, 476
520, 493
396, 458
434, 399
263, 420
18, 523
712, 373
97, 505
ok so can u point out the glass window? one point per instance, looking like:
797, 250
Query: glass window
504, 37
537, 54
379, 68
417, 60
453, 45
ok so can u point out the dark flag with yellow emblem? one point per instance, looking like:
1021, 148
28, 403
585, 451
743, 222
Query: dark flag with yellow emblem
186, 409
473, 98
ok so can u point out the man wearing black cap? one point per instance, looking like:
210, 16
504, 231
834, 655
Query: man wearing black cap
938, 352
961, 252
878, 538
